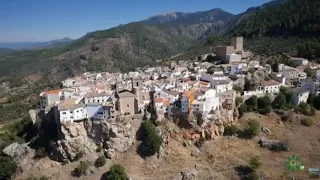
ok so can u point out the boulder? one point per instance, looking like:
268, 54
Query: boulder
274, 145
22, 154
266, 130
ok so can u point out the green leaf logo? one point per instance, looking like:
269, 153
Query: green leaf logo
293, 163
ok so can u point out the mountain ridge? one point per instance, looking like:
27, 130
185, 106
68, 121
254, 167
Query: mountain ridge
34, 45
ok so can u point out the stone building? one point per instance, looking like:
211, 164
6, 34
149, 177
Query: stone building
237, 43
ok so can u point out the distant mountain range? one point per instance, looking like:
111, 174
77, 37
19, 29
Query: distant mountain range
35, 45
125, 47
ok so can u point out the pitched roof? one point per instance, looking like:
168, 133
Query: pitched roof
57, 91
158, 100
125, 93
300, 90
270, 83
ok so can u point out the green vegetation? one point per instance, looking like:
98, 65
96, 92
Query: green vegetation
280, 20
239, 100
7, 167
116, 172
255, 163
81, 169
264, 104
101, 161
40, 153
252, 129
152, 140
231, 130
307, 121
305, 109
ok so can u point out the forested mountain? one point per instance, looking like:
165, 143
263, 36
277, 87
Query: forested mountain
272, 28
295, 17
278, 26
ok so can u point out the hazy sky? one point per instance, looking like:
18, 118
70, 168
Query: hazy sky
42, 20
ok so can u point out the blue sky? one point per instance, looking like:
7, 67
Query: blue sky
42, 20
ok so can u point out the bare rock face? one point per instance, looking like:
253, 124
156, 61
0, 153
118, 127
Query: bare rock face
22, 154
226, 116
115, 136
74, 144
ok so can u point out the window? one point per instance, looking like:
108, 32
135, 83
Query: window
64, 113
77, 110
137, 84
127, 105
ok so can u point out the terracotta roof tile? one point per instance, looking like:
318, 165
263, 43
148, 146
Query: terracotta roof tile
53, 91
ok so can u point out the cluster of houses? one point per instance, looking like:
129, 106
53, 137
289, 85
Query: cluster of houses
181, 88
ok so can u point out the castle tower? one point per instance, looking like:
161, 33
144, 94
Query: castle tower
137, 87
237, 43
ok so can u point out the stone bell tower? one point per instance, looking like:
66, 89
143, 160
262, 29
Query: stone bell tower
137, 88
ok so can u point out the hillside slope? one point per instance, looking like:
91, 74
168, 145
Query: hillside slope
120, 48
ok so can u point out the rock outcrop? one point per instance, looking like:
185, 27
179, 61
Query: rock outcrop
114, 136
74, 143
22, 154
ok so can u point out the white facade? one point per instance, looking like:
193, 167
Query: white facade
96, 99
299, 61
299, 95
76, 114
68, 82
238, 68
222, 85
233, 58
270, 86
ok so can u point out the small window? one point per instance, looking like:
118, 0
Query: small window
137, 84
77, 110
64, 113
128, 105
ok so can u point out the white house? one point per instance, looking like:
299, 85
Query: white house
205, 102
312, 85
233, 58
69, 111
238, 68
299, 95
68, 82
299, 61
221, 85
48, 98
270, 86
99, 98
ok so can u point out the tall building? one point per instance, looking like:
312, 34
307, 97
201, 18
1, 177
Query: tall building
137, 89
237, 43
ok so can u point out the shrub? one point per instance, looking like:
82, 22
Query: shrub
81, 169
101, 161
253, 128
307, 121
239, 100
40, 153
255, 163
231, 130
7, 167
99, 149
36, 178
116, 172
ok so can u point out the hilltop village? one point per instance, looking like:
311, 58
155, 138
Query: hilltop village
182, 105
178, 90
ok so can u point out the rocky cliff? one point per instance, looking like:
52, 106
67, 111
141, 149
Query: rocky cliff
113, 136
74, 143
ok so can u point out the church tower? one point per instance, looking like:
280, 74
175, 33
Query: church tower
137, 88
